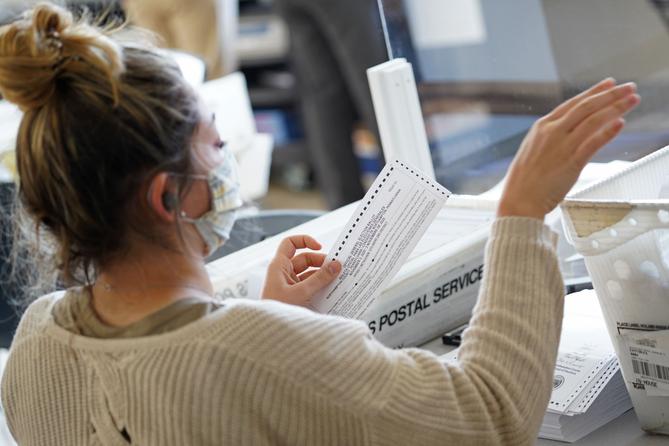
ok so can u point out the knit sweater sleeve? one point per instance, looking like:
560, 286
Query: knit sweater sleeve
498, 392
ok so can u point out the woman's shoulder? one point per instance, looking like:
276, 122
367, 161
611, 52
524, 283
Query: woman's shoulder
302, 344
330, 355
281, 335
41, 304
248, 319
37, 315
295, 344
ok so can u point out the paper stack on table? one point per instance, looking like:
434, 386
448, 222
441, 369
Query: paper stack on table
588, 388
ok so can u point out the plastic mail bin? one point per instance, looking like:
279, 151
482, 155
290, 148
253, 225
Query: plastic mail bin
621, 227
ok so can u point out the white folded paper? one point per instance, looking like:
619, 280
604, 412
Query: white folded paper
588, 388
378, 238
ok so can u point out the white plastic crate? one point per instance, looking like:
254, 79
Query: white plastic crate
621, 227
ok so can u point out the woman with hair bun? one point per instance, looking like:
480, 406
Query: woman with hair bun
126, 183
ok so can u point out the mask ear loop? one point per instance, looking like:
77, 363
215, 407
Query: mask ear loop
196, 176
186, 218
182, 214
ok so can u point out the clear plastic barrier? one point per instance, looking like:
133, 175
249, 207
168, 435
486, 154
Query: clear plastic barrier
487, 69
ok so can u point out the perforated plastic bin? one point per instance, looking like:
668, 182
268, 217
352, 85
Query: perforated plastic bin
255, 228
621, 227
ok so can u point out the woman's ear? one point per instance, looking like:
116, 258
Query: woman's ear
162, 197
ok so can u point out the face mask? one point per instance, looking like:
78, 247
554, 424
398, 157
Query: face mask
215, 225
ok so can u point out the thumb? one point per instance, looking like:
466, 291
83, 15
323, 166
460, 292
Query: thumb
321, 278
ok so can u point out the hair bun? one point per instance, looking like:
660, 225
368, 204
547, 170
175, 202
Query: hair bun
47, 42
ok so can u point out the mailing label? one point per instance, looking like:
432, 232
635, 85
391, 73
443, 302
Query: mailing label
649, 355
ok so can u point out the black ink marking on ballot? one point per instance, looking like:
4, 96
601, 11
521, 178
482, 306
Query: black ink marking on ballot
377, 240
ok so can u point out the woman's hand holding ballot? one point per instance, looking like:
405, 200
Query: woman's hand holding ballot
560, 144
295, 279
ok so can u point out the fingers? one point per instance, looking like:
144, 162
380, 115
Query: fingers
306, 260
290, 245
603, 118
306, 275
599, 140
594, 104
566, 106
319, 279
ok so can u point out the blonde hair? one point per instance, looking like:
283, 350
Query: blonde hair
100, 116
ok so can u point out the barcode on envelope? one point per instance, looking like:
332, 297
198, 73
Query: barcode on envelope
650, 370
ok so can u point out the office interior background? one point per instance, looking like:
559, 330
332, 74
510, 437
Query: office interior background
481, 86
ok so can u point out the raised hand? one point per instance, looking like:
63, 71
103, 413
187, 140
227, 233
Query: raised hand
559, 145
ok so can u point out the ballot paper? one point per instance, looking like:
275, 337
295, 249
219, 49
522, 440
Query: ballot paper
378, 238
588, 387
585, 351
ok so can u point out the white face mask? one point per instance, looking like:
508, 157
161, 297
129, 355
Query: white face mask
216, 224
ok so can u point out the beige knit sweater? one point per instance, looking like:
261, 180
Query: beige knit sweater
261, 372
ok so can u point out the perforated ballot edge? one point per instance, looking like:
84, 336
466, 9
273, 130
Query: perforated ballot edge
377, 240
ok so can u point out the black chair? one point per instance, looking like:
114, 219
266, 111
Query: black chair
252, 229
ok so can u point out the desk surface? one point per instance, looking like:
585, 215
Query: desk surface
623, 431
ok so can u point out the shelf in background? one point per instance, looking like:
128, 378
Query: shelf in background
268, 97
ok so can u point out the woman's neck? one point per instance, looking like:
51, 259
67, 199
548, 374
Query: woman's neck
144, 281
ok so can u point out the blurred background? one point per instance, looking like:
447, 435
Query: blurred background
304, 65
486, 70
